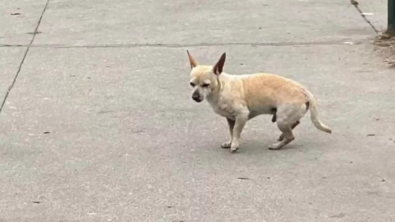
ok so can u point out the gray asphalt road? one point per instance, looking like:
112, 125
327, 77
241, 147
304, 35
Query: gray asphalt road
100, 125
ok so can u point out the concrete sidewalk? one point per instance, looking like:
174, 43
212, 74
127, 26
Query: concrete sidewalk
100, 126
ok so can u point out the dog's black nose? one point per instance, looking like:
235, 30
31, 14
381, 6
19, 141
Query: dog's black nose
196, 97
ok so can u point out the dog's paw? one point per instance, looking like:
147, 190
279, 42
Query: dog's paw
226, 145
275, 146
234, 147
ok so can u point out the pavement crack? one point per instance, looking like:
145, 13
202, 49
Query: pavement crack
355, 4
24, 57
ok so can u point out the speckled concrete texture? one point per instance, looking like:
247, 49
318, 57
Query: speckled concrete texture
100, 125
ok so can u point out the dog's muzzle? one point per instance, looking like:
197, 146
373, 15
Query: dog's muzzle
196, 97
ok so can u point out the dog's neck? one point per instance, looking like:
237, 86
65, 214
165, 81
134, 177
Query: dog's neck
220, 87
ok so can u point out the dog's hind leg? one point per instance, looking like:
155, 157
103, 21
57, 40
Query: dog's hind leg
288, 117
288, 136
293, 127
231, 124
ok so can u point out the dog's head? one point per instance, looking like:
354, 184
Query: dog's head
204, 79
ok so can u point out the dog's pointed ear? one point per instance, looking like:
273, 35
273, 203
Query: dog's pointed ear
217, 69
192, 60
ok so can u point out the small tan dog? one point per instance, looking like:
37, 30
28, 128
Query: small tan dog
243, 97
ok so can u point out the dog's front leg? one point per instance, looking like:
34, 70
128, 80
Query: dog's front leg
240, 122
231, 124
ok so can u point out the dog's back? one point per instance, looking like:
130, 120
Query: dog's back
266, 91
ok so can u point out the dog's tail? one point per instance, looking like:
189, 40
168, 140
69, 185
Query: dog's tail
314, 114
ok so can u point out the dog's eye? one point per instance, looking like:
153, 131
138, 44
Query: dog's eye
205, 85
192, 84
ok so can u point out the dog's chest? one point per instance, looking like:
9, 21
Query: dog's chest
224, 109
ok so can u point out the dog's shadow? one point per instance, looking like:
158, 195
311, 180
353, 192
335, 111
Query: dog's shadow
256, 147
